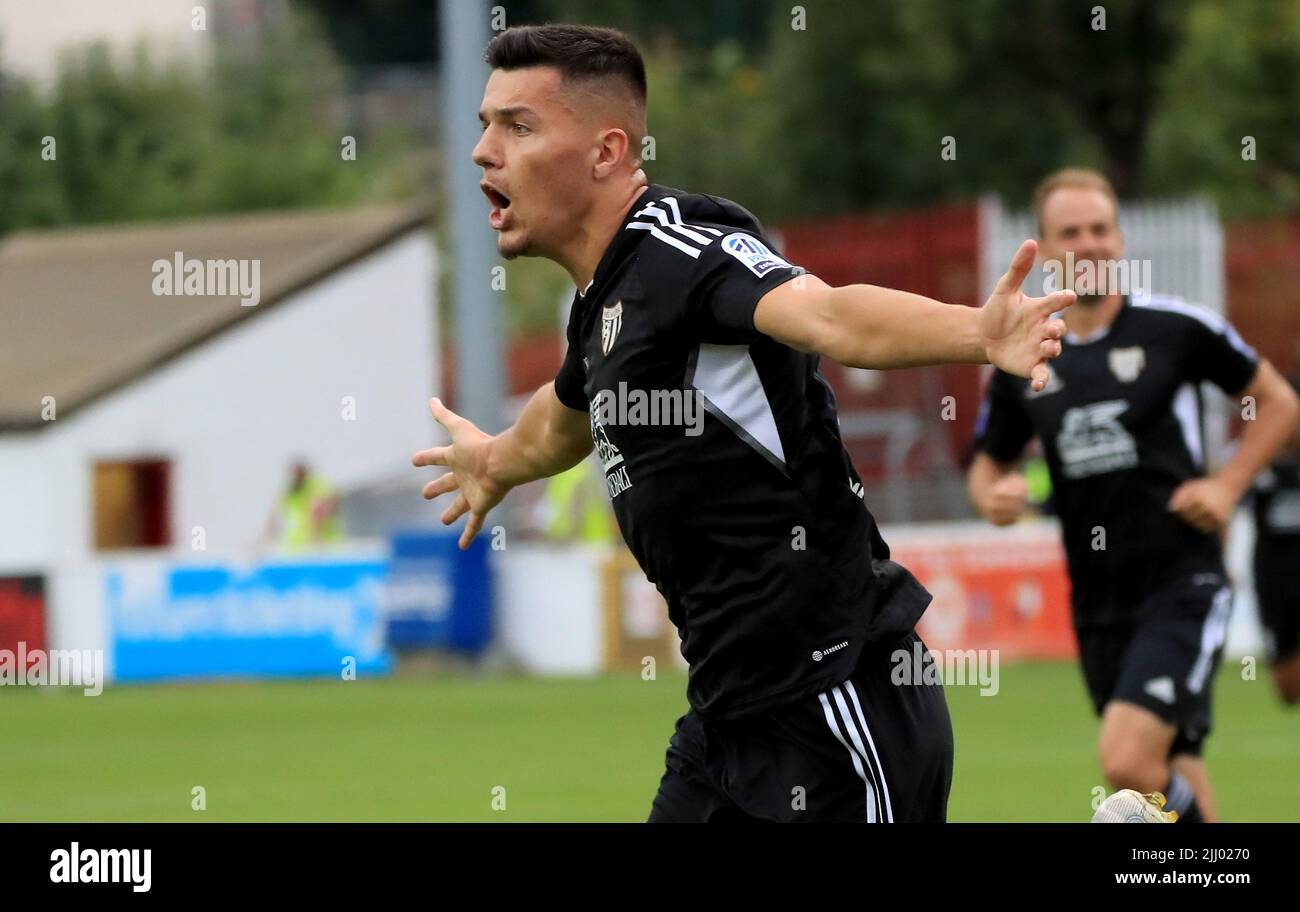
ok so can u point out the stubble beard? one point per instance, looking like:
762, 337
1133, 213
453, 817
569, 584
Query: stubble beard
510, 250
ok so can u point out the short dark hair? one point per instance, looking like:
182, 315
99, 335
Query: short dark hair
577, 51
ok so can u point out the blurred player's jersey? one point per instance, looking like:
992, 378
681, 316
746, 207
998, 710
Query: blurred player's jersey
723, 460
1275, 502
1121, 425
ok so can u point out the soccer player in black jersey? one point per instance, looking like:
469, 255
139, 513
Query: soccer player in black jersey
692, 369
1275, 504
1120, 423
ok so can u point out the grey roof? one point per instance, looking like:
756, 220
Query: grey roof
79, 317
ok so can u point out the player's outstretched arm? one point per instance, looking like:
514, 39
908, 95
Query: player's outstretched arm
547, 438
997, 490
1207, 503
869, 326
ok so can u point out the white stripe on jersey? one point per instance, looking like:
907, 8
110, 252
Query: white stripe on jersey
1186, 407
727, 377
667, 239
684, 230
671, 203
1207, 318
673, 222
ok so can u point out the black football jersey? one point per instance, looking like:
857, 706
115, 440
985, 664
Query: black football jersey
723, 459
1121, 424
1275, 502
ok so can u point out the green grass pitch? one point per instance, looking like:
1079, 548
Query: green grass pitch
434, 749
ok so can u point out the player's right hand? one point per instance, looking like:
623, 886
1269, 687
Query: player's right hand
1020, 333
1007, 499
467, 458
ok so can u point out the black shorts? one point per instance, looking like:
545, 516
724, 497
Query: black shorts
1165, 660
1277, 589
867, 750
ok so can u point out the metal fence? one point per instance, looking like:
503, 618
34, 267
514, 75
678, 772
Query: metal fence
1182, 240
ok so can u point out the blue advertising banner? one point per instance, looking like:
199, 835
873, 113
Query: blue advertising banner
438, 595
290, 619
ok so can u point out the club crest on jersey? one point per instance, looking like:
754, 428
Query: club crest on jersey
1127, 363
753, 253
611, 321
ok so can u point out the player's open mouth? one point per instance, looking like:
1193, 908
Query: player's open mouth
500, 205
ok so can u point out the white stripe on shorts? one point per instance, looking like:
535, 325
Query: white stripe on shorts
1213, 634
880, 770
872, 804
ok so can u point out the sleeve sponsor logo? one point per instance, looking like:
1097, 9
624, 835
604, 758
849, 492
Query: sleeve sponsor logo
757, 258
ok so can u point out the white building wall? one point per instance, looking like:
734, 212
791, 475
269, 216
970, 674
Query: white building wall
549, 607
232, 415
26, 536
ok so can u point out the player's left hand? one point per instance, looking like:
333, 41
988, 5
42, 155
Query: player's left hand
1205, 503
1019, 332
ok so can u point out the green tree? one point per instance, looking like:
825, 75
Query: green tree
1233, 90
255, 128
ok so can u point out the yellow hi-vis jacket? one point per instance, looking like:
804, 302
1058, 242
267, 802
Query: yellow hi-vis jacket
305, 520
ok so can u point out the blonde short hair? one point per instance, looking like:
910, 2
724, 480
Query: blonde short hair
1070, 177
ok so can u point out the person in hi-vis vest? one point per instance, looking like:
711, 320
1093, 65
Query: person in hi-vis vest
575, 507
308, 512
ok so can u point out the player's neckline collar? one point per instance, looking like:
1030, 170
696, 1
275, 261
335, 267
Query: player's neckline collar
623, 240
1104, 331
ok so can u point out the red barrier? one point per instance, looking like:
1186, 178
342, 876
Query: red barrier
1004, 589
1263, 286
22, 612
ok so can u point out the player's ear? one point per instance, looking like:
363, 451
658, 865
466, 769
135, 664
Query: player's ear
612, 147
